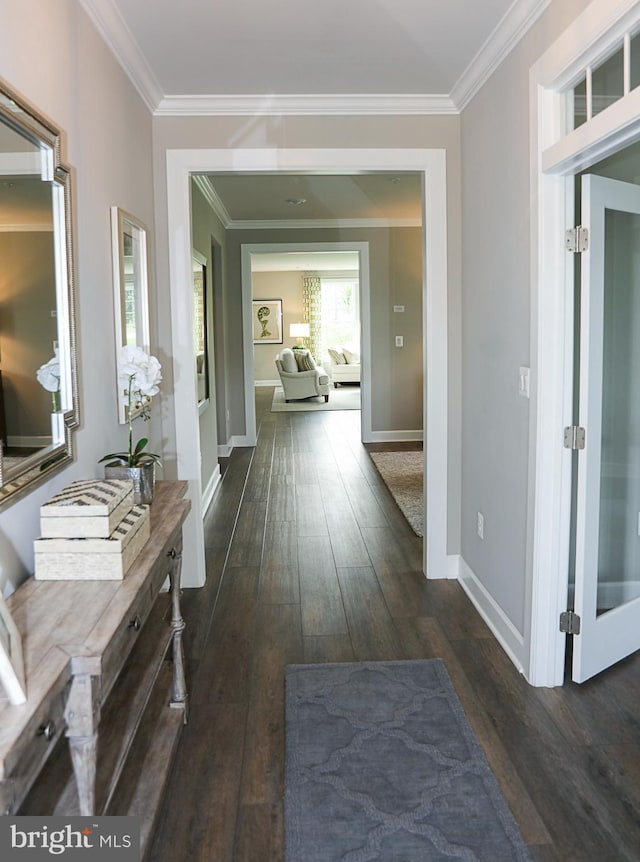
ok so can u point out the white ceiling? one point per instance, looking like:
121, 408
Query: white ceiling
305, 261
415, 56
197, 57
303, 200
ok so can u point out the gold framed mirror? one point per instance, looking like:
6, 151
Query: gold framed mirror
38, 363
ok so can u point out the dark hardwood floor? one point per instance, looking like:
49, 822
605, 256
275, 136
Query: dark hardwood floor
309, 560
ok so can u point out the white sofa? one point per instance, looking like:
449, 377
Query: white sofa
300, 376
344, 366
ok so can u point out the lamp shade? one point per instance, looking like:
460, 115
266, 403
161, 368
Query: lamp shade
299, 330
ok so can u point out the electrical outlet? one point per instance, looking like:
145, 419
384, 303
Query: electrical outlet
399, 341
481, 525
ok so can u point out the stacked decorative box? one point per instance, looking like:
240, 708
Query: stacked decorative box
91, 530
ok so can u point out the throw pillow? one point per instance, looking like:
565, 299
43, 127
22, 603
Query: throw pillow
338, 358
304, 360
288, 361
352, 358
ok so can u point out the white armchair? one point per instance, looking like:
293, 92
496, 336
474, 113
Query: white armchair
301, 377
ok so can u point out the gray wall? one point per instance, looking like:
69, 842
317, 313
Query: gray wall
496, 321
286, 286
53, 56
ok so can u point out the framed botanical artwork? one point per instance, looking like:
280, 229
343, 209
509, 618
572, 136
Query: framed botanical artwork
267, 321
11, 665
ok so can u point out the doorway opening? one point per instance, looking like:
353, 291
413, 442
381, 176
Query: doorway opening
349, 253
430, 165
563, 144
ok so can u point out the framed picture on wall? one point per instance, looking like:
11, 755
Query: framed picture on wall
267, 321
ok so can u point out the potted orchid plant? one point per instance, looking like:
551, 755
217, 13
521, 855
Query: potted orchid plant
139, 378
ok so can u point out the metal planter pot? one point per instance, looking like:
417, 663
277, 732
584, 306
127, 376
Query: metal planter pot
143, 479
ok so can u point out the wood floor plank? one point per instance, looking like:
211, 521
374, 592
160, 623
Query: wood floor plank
224, 671
246, 545
280, 585
322, 608
364, 503
305, 468
310, 519
399, 571
328, 649
282, 499
203, 791
373, 634
347, 543
278, 642
260, 833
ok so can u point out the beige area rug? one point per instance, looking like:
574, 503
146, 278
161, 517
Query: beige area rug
342, 398
402, 473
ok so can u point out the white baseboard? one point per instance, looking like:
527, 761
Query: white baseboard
267, 383
209, 492
239, 440
224, 450
505, 632
453, 566
393, 436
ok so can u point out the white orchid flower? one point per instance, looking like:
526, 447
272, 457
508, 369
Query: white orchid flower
48, 375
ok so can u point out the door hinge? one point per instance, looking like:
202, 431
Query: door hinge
576, 239
570, 623
574, 437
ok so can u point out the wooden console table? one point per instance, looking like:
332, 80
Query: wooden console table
80, 644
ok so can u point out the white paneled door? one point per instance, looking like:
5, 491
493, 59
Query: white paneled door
607, 553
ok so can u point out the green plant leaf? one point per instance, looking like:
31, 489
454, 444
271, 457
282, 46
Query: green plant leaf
142, 442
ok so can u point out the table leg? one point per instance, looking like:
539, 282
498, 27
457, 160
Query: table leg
179, 695
82, 715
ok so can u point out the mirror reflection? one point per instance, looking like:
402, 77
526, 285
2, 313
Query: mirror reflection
199, 269
131, 291
37, 372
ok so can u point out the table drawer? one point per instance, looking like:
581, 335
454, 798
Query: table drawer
35, 744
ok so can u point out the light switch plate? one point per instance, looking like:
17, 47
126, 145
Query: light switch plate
399, 341
523, 381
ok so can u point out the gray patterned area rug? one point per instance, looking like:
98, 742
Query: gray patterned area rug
402, 473
382, 764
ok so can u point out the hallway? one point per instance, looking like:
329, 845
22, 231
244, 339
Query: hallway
309, 560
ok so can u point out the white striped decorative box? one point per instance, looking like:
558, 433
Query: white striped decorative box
93, 559
89, 508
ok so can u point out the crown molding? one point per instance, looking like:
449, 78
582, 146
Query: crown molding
306, 105
293, 224
110, 24
212, 198
513, 25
